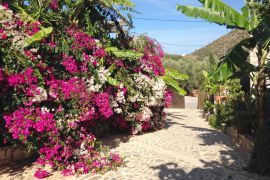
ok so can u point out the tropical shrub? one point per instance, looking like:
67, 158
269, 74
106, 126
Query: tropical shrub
237, 110
56, 91
213, 121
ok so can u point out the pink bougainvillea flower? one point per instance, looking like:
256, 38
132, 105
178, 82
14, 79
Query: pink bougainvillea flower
40, 174
1, 75
54, 5
70, 64
5, 5
116, 158
102, 100
168, 98
100, 53
68, 172
4, 36
19, 23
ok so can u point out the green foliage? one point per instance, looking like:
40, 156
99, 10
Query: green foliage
98, 18
43, 33
218, 12
125, 54
176, 74
111, 3
172, 78
37, 10
239, 110
193, 69
208, 107
213, 121
113, 81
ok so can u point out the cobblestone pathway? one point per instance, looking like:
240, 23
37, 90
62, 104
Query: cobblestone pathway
188, 149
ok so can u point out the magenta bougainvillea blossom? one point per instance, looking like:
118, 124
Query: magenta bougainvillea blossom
64, 88
40, 174
54, 5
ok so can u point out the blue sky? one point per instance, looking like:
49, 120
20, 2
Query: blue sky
180, 33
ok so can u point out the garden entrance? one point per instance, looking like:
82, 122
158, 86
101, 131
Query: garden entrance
191, 102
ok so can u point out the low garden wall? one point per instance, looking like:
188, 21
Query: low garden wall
10, 155
201, 99
178, 101
245, 143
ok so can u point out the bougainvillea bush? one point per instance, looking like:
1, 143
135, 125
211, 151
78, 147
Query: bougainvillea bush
57, 92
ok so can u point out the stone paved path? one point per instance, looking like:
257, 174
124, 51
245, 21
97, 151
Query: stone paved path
188, 149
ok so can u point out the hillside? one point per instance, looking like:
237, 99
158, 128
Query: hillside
220, 46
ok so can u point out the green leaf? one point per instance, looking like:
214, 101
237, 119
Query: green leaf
113, 81
216, 11
175, 74
214, 89
23, 14
205, 74
226, 11
123, 53
236, 60
112, 67
111, 3
39, 76
39, 36
174, 84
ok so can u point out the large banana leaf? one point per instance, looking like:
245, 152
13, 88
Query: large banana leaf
176, 74
123, 53
172, 77
227, 12
262, 33
236, 60
216, 11
174, 84
113, 81
203, 13
111, 3
44, 32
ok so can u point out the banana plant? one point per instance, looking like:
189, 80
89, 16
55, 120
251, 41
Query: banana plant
172, 78
216, 11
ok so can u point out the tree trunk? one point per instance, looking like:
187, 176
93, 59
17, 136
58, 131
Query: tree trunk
261, 86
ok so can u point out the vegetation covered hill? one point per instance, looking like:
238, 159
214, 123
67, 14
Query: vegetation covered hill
220, 46
195, 63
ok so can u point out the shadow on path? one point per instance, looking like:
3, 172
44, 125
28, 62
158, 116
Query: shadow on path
211, 171
17, 168
211, 136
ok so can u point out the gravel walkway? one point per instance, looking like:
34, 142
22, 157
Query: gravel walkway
188, 149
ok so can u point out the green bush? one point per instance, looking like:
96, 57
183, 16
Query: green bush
214, 121
238, 111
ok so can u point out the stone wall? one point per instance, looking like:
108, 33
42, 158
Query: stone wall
178, 101
245, 143
201, 99
10, 155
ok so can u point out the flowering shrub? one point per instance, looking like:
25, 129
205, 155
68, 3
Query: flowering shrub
56, 92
